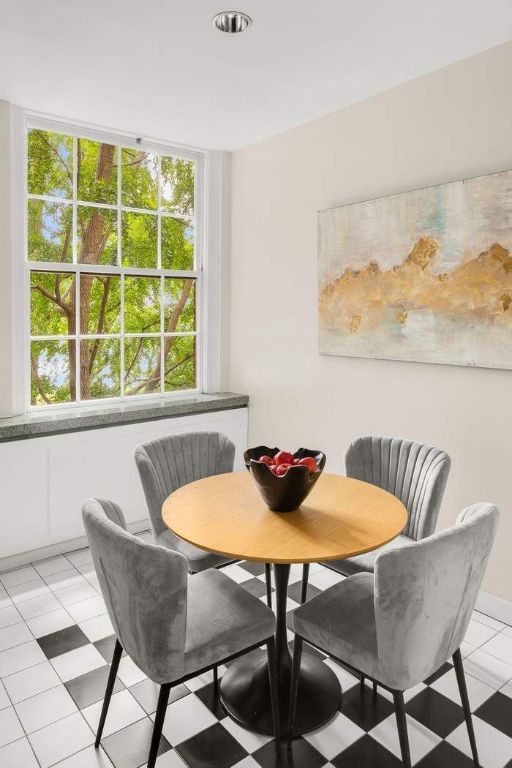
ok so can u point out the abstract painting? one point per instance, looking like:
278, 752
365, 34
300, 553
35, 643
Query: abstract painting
424, 275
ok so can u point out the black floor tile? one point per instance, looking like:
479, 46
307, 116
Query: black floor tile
210, 698
255, 568
106, 647
129, 748
90, 688
438, 713
497, 711
440, 672
146, 692
365, 708
214, 746
445, 756
299, 754
255, 586
366, 753
62, 641
294, 591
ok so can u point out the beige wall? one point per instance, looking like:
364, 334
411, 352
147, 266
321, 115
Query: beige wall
452, 124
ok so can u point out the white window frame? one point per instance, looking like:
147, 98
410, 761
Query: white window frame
208, 247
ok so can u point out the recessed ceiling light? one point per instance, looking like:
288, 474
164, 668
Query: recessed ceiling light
232, 21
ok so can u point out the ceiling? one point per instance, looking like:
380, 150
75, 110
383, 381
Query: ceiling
158, 68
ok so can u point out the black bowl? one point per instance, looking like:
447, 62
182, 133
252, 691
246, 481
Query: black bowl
286, 493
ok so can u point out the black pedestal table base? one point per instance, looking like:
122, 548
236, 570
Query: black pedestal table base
245, 689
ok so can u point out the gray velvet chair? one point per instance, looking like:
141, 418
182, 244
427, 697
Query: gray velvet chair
172, 626
168, 463
413, 472
398, 625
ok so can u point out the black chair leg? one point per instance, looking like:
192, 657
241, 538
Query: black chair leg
268, 581
294, 684
461, 680
401, 722
361, 684
163, 699
274, 690
305, 577
374, 688
114, 666
216, 680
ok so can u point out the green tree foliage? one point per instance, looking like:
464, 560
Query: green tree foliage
162, 191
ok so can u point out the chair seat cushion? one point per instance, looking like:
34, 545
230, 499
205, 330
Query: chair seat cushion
341, 621
198, 559
223, 619
366, 563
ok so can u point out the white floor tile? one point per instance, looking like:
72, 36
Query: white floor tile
201, 680
421, 739
237, 573
49, 622
185, 718
507, 689
129, 673
31, 681
90, 758
478, 691
501, 647
325, 578
22, 656
93, 581
75, 663
494, 748
19, 576
249, 740
97, 627
477, 634
346, 679
9, 615
53, 565
171, 759
488, 620
466, 649
488, 668
4, 698
10, 726
247, 762
86, 609
23, 592
123, 711
5, 600
61, 739
64, 579
74, 594
333, 738
80, 557
45, 708
29, 609
19, 754
14, 635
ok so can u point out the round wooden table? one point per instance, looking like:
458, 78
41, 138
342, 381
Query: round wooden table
341, 518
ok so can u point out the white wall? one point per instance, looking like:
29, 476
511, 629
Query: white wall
449, 125
6, 335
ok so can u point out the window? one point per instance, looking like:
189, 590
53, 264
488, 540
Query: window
113, 269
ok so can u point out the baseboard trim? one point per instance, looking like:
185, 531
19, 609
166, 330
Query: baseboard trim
59, 548
493, 606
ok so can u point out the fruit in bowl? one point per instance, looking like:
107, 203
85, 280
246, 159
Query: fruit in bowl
284, 479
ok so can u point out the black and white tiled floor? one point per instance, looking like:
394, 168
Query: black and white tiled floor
56, 641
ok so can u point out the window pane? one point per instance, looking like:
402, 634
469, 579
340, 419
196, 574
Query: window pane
180, 362
50, 231
96, 235
97, 171
177, 186
139, 179
100, 368
139, 248
52, 303
177, 244
142, 305
50, 369
142, 366
179, 305
100, 304
49, 164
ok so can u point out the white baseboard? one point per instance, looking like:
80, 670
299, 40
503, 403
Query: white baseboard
60, 548
494, 606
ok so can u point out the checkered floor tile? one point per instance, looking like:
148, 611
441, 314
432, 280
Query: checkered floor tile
56, 642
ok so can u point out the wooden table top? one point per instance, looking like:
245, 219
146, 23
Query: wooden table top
340, 518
